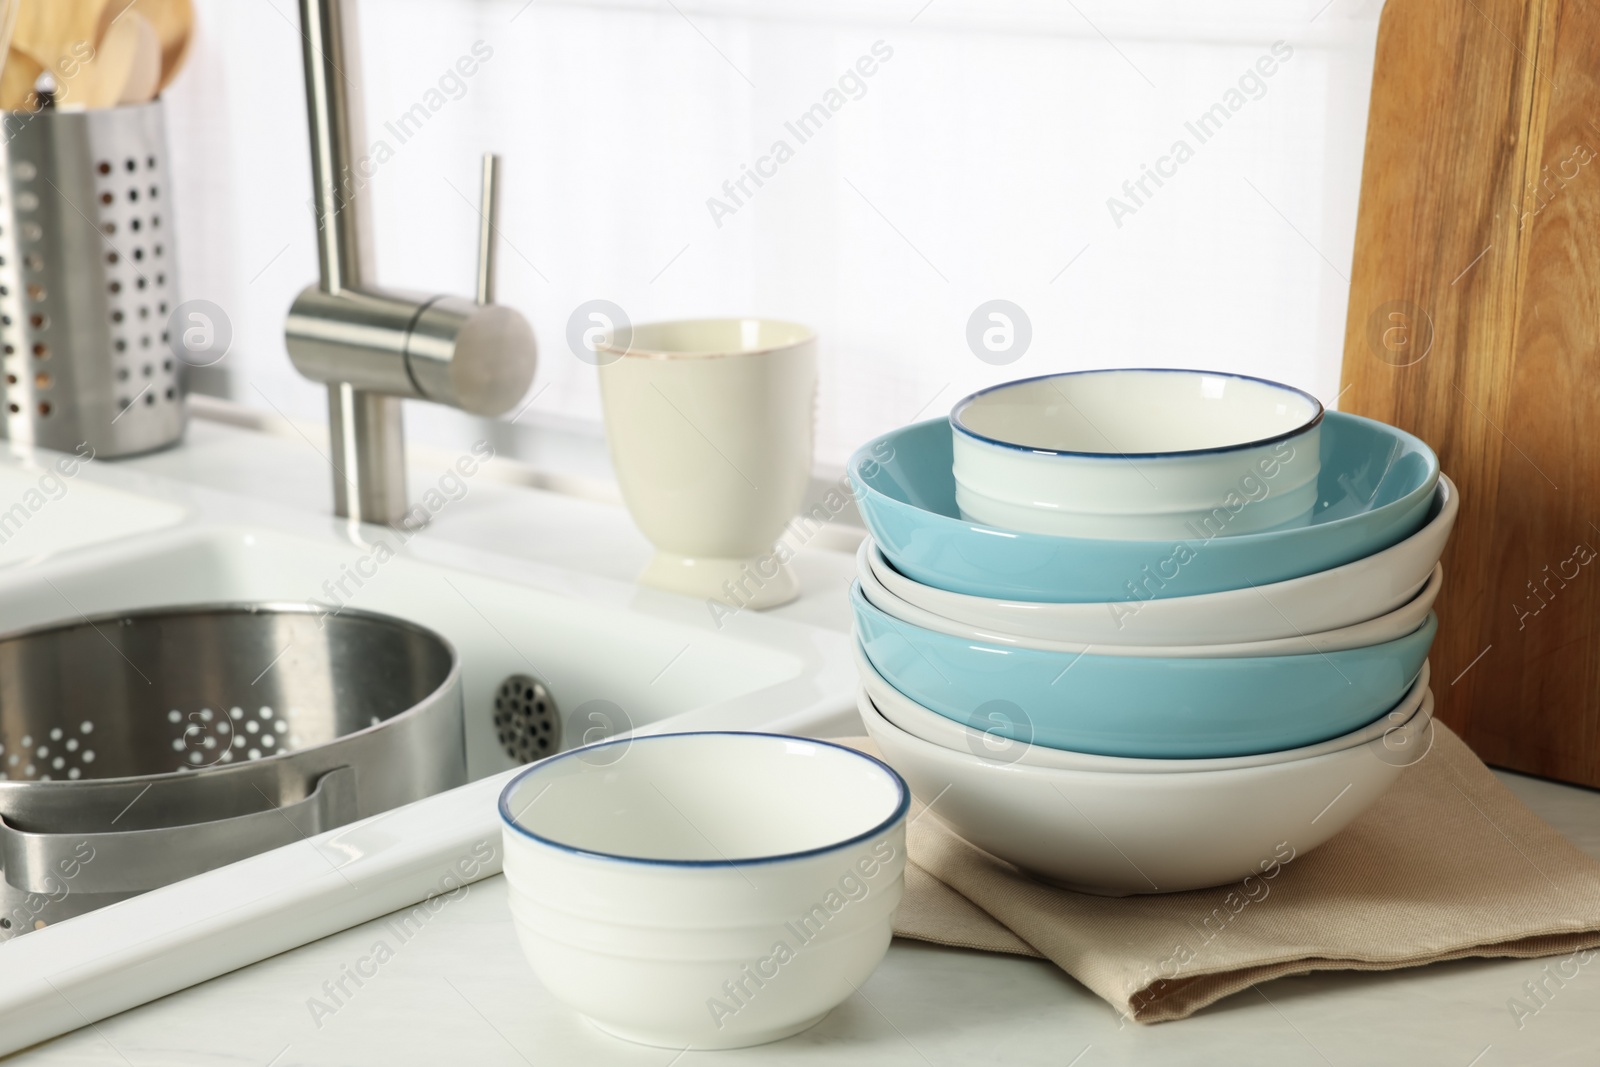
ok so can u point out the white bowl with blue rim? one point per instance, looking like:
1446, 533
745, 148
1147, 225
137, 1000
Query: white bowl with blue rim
983, 736
1327, 600
1389, 626
1141, 705
1116, 833
705, 890
1138, 453
1375, 486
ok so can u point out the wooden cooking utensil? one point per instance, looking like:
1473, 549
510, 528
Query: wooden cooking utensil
15, 67
174, 25
54, 32
144, 73
174, 21
17, 80
127, 67
177, 32
1474, 321
8, 24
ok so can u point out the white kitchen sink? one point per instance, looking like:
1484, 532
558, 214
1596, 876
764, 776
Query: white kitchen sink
44, 512
614, 657
608, 667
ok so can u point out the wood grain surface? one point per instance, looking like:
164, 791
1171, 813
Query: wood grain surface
1474, 321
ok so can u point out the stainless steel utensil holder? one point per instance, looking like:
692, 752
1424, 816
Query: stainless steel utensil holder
87, 282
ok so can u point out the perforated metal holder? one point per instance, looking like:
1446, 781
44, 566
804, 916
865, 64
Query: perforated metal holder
87, 282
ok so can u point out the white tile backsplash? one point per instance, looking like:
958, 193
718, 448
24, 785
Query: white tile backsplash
975, 163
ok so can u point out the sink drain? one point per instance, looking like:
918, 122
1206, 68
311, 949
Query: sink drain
525, 719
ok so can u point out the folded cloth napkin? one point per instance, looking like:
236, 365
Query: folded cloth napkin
1446, 864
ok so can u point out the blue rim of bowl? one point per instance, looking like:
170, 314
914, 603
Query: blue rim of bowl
901, 806
967, 401
863, 455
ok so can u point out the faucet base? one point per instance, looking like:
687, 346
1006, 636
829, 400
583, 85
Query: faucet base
366, 433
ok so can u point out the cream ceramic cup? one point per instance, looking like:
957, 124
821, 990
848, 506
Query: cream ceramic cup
710, 427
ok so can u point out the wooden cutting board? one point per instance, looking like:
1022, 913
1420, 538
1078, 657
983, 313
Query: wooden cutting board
1475, 323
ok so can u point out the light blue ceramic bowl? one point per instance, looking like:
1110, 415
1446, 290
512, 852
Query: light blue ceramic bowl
1374, 490
1142, 706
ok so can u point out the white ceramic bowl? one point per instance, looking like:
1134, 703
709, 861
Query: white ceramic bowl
984, 737
1138, 454
705, 891
1396, 624
1118, 833
1327, 600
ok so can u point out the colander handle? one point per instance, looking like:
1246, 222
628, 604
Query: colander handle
134, 861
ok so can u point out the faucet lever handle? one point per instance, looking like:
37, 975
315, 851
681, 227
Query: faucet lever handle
488, 227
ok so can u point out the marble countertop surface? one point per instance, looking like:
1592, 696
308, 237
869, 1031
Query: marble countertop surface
457, 989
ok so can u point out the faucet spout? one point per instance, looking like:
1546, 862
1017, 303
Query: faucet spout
374, 347
332, 74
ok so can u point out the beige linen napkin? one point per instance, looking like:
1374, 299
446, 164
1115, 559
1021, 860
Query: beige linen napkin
1447, 864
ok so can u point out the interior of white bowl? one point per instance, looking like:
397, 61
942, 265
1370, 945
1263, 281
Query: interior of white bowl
705, 799
1136, 412
706, 337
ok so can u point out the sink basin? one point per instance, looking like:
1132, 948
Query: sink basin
43, 513
608, 669
612, 658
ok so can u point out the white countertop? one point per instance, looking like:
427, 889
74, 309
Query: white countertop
459, 989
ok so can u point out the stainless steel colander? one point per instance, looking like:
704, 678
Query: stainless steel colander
144, 747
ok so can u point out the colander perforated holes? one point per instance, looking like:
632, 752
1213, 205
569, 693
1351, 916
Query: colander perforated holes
47, 756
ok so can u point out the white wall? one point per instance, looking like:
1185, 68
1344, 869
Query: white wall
976, 165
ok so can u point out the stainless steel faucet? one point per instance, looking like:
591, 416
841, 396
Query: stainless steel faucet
371, 346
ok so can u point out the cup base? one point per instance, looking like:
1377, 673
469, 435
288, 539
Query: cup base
757, 583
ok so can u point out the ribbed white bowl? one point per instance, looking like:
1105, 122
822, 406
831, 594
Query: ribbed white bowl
706, 890
1118, 833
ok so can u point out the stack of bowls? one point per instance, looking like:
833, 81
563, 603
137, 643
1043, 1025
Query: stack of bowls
1145, 631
